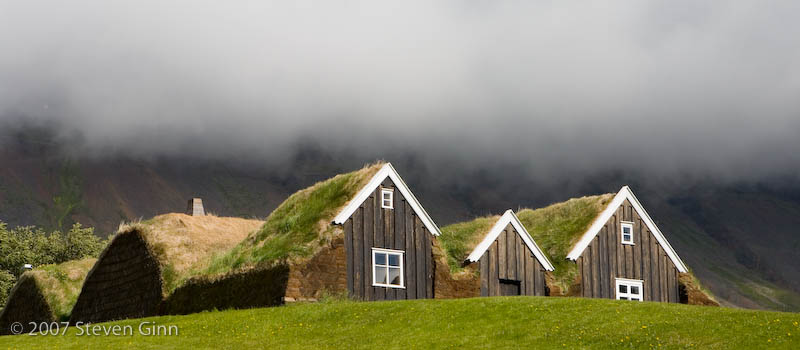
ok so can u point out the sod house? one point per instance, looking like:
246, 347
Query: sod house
494, 256
361, 234
510, 261
607, 246
146, 261
624, 256
298, 254
44, 294
388, 239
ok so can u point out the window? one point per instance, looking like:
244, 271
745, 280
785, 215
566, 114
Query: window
629, 289
627, 233
387, 198
387, 268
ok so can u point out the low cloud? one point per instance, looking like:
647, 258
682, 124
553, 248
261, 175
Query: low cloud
678, 88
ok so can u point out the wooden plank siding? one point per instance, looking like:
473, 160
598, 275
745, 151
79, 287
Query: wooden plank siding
510, 260
606, 259
372, 226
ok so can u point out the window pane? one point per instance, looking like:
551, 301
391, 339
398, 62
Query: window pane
380, 258
380, 275
635, 290
623, 298
394, 276
387, 195
626, 230
394, 260
627, 238
387, 203
623, 288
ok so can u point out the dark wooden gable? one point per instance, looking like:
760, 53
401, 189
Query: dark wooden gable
606, 259
509, 267
372, 226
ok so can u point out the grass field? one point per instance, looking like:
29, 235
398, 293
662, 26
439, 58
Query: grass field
502, 322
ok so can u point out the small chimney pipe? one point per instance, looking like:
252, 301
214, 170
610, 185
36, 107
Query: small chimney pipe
195, 207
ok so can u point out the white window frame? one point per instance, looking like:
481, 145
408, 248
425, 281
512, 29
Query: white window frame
629, 283
622, 227
388, 252
384, 192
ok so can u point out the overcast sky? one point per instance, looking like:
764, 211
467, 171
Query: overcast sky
711, 88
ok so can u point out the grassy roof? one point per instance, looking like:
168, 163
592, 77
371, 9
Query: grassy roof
459, 239
557, 227
299, 226
60, 284
182, 243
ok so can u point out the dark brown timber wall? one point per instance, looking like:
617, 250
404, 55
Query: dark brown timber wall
124, 283
374, 227
509, 263
606, 259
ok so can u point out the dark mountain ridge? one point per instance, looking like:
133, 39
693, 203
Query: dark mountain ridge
741, 239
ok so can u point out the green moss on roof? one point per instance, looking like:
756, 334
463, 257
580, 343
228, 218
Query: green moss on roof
458, 240
60, 284
556, 229
299, 226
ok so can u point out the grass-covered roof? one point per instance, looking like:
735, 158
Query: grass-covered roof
182, 243
555, 228
459, 239
299, 226
60, 284
558, 227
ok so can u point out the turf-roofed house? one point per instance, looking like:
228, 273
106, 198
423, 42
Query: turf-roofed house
388, 241
607, 246
146, 261
44, 294
511, 263
361, 234
494, 256
624, 255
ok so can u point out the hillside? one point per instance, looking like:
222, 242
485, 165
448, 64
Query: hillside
498, 322
741, 240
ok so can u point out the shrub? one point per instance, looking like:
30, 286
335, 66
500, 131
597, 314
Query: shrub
32, 245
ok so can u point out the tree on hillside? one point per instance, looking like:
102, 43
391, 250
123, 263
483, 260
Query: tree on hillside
31, 245
7, 281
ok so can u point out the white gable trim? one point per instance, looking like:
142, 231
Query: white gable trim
510, 217
387, 171
622, 195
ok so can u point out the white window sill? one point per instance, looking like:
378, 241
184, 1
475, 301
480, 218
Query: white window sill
388, 286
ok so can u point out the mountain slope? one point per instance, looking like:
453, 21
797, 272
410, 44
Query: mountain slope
740, 240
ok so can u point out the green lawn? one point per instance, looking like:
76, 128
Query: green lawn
519, 322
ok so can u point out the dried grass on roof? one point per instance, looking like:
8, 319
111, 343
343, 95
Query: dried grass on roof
60, 284
182, 243
45, 294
